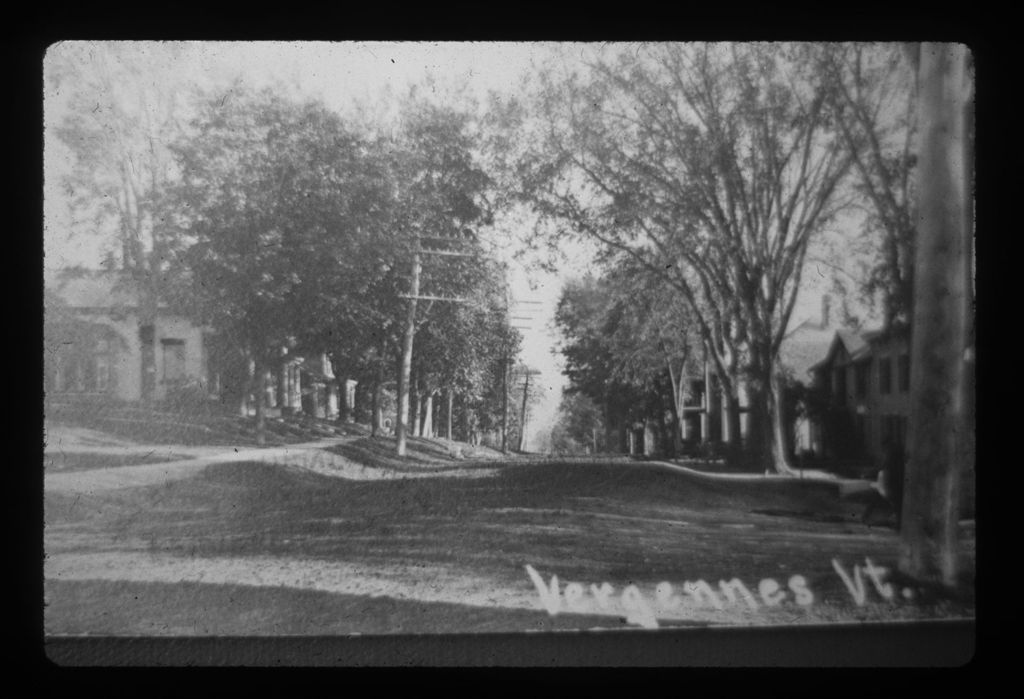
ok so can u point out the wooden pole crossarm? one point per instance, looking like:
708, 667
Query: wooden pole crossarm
420, 297
445, 239
449, 253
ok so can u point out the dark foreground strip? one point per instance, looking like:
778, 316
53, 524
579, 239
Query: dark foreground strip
933, 644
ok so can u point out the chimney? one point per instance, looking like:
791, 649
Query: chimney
826, 303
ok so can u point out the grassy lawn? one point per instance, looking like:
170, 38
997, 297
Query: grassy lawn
210, 425
620, 522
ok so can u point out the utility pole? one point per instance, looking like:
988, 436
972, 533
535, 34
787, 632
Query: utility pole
941, 349
401, 429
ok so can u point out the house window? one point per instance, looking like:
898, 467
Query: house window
102, 373
861, 374
174, 360
77, 376
885, 375
903, 373
101, 361
58, 375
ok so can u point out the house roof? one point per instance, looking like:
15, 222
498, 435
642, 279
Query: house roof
94, 289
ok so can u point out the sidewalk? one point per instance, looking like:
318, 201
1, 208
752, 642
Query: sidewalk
807, 475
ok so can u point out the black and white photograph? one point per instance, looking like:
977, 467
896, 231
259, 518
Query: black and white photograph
603, 340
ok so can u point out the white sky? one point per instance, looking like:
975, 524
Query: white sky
341, 74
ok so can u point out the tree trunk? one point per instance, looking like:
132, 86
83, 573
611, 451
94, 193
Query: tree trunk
465, 420
730, 417
504, 408
377, 409
375, 406
281, 388
612, 443
427, 424
938, 434
678, 403
341, 400
414, 405
778, 444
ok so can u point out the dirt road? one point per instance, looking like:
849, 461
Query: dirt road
608, 543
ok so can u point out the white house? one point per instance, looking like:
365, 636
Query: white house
99, 342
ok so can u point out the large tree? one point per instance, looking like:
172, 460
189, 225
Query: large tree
651, 335
601, 360
872, 100
286, 209
626, 341
110, 118
117, 122
712, 166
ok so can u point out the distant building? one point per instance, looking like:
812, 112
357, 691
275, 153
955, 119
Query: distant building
802, 348
864, 381
99, 343
308, 385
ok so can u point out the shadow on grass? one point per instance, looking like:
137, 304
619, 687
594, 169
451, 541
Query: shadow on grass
200, 609
380, 452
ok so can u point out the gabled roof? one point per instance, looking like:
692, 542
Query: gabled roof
856, 344
804, 346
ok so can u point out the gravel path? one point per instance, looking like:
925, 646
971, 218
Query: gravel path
311, 456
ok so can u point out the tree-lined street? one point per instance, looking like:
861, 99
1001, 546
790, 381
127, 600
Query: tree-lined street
292, 387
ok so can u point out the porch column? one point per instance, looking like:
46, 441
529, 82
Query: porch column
649, 438
743, 405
